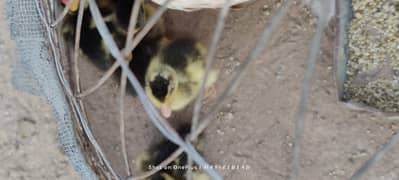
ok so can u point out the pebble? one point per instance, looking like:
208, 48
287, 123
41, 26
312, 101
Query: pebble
230, 116
233, 129
266, 10
221, 152
290, 144
26, 128
220, 132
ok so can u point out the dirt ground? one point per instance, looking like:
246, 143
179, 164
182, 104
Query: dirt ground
28, 146
255, 128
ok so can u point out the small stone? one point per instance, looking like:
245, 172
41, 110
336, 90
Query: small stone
278, 4
290, 144
265, 7
26, 128
228, 105
266, 10
220, 132
230, 116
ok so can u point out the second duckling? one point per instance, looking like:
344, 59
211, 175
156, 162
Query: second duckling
177, 169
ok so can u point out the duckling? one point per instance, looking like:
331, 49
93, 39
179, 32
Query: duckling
170, 70
91, 42
174, 75
116, 14
158, 152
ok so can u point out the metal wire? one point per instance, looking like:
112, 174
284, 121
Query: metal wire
197, 128
151, 22
132, 23
111, 45
382, 150
100, 82
75, 62
163, 164
322, 21
55, 50
76, 47
210, 59
63, 14
302, 105
154, 115
209, 63
259, 47
130, 35
122, 123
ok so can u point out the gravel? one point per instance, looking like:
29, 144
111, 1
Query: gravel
373, 50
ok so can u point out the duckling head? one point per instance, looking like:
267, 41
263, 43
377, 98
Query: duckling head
161, 85
174, 75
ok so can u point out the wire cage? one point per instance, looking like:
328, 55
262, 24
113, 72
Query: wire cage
95, 162
94, 153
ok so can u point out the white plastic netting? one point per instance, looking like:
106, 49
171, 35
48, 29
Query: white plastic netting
34, 72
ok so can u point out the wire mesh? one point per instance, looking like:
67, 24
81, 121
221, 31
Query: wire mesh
199, 124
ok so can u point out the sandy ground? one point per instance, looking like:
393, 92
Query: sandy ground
28, 146
255, 128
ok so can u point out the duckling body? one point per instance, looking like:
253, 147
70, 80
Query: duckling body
158, 152
175, 74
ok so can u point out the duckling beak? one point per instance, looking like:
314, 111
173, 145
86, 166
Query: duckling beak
166, 110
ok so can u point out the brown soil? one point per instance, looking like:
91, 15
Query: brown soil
256, 126
28, 144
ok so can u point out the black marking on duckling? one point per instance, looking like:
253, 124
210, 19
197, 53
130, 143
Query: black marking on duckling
159, 87
177, 52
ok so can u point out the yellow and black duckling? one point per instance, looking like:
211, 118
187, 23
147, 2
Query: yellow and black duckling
170, 70
158, 152
174, 75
